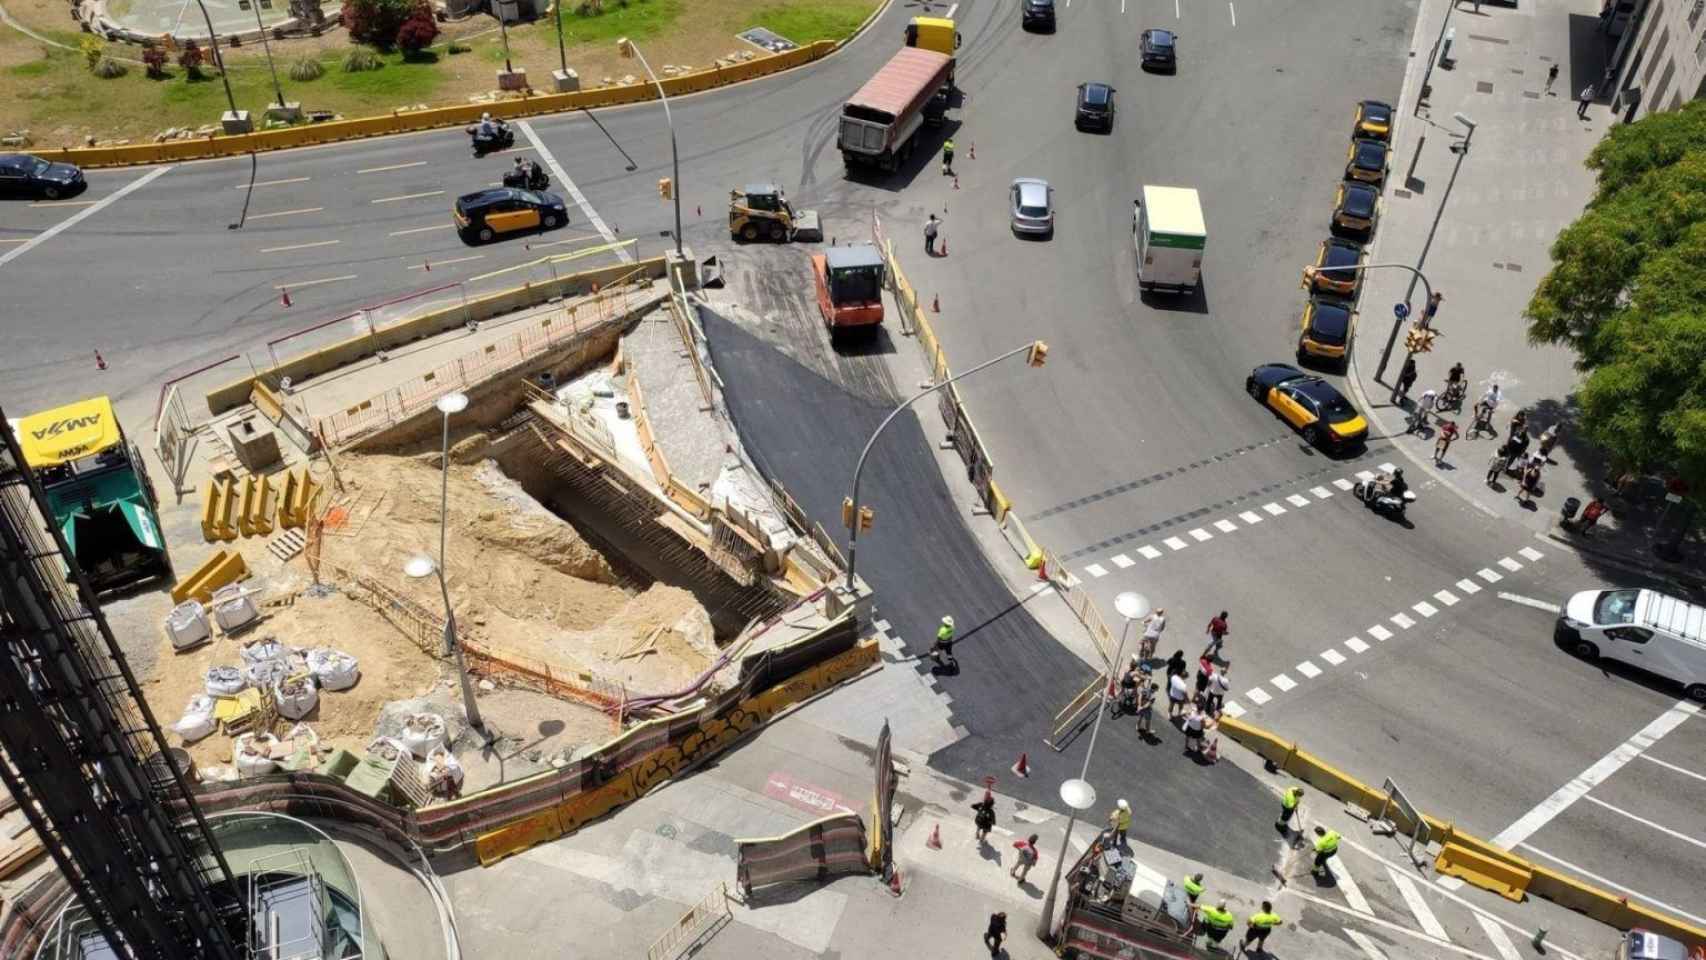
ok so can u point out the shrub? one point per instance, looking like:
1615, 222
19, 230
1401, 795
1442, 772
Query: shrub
93, 50
306, 68
419, 30
375, 22
108, 69
191, 59
358, 60
154, 59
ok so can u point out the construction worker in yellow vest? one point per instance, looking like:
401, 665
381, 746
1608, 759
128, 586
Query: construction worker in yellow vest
1257, 928
948, 156
1217, 922
1326, 844
1193, 887
1119, 820
1288, 807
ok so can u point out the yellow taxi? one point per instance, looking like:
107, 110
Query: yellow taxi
1338, 254
1374, 119
1356, 208
1365, 160
488, 214
1310, 404
1327, 327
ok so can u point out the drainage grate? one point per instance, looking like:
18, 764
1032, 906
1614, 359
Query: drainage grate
1530, 94
1484, 87
1401, 192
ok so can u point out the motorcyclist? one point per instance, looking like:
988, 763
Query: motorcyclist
1455, 386
1391, 484
488, 128
536, 179
517, 175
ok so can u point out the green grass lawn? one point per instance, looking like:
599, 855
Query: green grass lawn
805, 23
639, 20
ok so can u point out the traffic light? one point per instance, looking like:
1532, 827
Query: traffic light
867, 516
1038, 355
666, 189
847, 512
1413, 340
1428, 335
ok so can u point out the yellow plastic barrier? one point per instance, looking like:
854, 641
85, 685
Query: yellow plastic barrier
219, 503
260, 505
513, 838
224, 567
300, 489
1506, 876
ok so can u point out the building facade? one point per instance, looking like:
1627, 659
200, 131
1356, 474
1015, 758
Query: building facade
1659, 57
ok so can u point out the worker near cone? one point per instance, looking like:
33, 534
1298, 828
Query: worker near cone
1257, 928
942, 651
1326, 845
1193, 887
1119, 820
1217, 922
948, 157
1028, 855
1288, 807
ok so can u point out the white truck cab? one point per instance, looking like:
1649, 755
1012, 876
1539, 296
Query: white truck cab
1643, 628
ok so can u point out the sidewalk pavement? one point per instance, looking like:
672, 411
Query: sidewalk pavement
1520, 183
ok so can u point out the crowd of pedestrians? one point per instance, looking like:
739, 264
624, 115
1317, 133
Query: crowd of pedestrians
1511, 458
1194, 709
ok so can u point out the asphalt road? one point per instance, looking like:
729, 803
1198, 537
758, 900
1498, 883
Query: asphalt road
1136, 432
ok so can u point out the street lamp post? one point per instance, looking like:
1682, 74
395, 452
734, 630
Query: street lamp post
1037, 350
562, 55
1397, 321
1433, 56
218, 61
271, 67
1078, 795
627, 49
1131, 606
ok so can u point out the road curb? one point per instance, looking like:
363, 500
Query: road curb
1555, 534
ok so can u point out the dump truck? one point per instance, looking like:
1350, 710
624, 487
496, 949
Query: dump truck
762, 211
880, 123
1168, 232
850, 287
1117, 907
934, 33
97, 488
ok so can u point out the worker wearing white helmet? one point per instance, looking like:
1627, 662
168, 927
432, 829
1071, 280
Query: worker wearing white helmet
1120, 820
943, 650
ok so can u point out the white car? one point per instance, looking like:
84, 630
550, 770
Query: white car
1033, 206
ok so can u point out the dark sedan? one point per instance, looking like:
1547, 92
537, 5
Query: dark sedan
1357, 208
1037, 15
23, 175
1095, 107
1336, 252
1374, 119
1310, 404
1366, 161
1160, 50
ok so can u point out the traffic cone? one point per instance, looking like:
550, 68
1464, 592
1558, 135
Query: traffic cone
944, 244
698, 210
283, 296
971, 154
956, 182
1213, 754
427, 264
894, 881
935, 841
936, 303
1023, 767
100, 362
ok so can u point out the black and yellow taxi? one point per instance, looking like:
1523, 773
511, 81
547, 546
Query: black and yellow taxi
1336, 253
1328, 323
1310, 404
1356, 208
1374, 119
1366, 160
485, 215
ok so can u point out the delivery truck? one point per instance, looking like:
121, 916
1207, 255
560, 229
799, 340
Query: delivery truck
934, 33
1117, 907
880, 123
1168, 232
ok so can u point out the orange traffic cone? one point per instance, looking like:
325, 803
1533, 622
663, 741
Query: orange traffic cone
1213, 754
283, 297
1042, 571
894, 882
1023, 767
100, 362
935, 841
944, 244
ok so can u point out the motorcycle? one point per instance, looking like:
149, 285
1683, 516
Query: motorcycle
501, 139
1387, 503
533, 179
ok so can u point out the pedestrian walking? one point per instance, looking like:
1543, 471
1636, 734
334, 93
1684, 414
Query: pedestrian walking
1548, 440
1529, 483
1551, 77
942, 651
1146, 692
1289, 799
1406, 379
1152, 627
1218, 688
1178, 696
1590, 515
1119, 820
948, 157
1496, 465
1424, 407
1217, 922
932, 227
1217, 631
985, 816
1432, 308
1518, 448
996, 933
1176, 663
1447, 433
1258, 927
1326, 844
1027, 858
1519, 422
1193, 887
1205, 672
1195, 720
1583, 100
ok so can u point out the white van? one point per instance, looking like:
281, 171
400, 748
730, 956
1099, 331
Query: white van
1643, 628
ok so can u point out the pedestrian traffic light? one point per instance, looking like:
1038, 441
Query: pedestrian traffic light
847, 512
1413, 340
666, 189
1038, 354
1428, 334
867, 516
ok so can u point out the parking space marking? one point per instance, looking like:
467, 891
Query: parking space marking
1356, 645
1673, 767
1604, 767
409, 196
1200, 534
1446, 597
1096, 570
300, 246
1283, 682
270, 183
1297, 500
1488, 575
1361, 939
394, 166
1309, 670
1321, 493
1343, 484
1613, 884
1496, 936
1468, 586
1403, 622
1530, 554
1257, 695
1530, 602
1174, 543
1348, 886
1225, 526
1148, 552
1122, 561
284, 213
1333, 657
1424, 608
1667, 831
1419, 908
1250, 516
1273, 509
1509, 564
436, 226
80, 216
1380, 633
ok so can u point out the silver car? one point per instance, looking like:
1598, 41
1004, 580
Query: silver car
1033, 206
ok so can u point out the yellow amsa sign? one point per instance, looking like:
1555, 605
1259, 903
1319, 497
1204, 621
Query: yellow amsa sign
68, 433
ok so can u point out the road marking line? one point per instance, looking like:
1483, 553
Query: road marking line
1380, 633
1096, 570
1333, 657
311, 283
1122, 561
1403, 622
1424, 608
573, 191
1309, 670
300, 246
1176, 14
394, 166
1232, 709
1273, 508
1365, 474
1412, 895
409, 196
1174, 543
1250, 516
445, 263
1509, 564
1496, 935
1671, 766
64, 203
1448, 883
14, 239
950, 14
1530, 602
1645, 822
1233, 12
284, 213
1285, 683
270, 183
1356, 645
1321, 493
1361, 939
1225, 526
1297, 500
1468, 586
1604, 767
79, 216
1348, 886
1343, 484
1446, 597
1148, 552
1489, 575
437, 226
881, 625
1613, 884
1257, 695
1201, 535
1530, 554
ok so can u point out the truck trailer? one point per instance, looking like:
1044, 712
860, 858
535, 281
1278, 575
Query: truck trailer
1168, 232
880, 122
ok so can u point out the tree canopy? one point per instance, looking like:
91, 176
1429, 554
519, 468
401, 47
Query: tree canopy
1627, 292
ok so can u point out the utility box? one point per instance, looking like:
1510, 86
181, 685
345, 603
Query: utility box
255, 443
